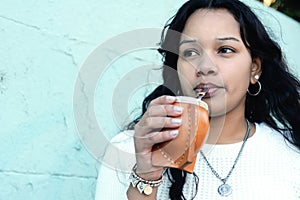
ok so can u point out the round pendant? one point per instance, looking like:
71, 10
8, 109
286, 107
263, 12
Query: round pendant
148, 190
224, 190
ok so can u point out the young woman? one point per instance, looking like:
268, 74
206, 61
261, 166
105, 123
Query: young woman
254, 135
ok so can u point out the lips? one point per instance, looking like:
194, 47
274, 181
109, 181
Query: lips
209, 88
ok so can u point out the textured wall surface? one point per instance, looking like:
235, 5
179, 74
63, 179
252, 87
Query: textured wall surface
43, 45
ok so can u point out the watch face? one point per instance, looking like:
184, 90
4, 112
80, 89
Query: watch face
148, 190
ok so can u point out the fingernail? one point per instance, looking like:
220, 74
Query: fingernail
176, 121
178, 108
170, 98
174, 133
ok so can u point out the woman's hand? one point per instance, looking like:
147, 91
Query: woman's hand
151, 129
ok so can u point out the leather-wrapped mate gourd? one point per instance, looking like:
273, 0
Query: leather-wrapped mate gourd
181, 152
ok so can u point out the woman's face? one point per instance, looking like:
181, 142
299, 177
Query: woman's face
212, 56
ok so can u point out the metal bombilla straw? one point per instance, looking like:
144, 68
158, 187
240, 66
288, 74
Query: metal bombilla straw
201, 93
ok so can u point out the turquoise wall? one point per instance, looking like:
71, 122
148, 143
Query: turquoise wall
43, 47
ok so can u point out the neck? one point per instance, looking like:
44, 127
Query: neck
227, 130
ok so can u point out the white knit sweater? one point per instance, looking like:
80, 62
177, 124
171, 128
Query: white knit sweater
268, 169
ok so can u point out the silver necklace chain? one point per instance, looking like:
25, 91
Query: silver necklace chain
225, 189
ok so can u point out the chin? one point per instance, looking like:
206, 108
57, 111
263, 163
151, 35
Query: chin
216, 108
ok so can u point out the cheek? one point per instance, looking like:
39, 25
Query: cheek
237, 78
185, 75
236, 83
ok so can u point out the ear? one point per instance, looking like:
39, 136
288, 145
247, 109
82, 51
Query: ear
255, 70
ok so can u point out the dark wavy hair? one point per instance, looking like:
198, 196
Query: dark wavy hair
278, 102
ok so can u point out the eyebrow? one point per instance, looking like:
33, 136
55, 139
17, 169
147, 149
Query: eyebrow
228, 38
218, 39
187, 41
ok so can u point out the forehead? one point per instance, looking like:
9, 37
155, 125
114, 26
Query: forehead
211, 23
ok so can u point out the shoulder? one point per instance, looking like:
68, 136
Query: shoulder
271, 153
116, 163
271, 139
279, 157
120, 153
124, 140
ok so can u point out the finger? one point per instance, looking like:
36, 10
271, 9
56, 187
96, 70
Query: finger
151, 124
165, 99
164, 110
161, 136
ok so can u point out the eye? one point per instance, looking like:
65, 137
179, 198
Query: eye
189, 53
226, 50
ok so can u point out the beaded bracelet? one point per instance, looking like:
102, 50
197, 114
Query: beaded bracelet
144, 186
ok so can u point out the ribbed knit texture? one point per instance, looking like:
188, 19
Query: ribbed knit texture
268, 169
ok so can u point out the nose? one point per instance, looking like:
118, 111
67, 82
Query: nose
206, 66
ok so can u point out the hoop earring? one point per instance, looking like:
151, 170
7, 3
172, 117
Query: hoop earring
259, 89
